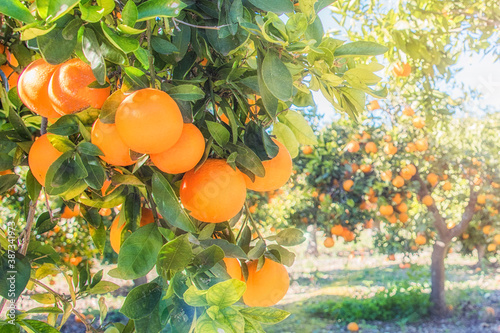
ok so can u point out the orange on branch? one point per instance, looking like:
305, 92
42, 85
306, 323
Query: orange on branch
69, 213
33, 88
403, 217
267, 286
41, 156
487, 229
12, 76
184, 154
398, 181
337, 230
386, 176
390, 149
69, 89
420, 240
447, 186
115, 234
401, 69
329, 242
402, 207
213, 193
147, 217
418, 122
149, 121
408, 111
496, 239
278, 171
347, 185
427, 200
421, 144
386, 210
105, 136
387, 138
371, 147
433, 179
233, 268
352, 146
366, 168
491, 247
373, 105
354, 167
306, 150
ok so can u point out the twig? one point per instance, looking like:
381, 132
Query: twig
150, 56
47, 205
254, 224
43, 126
27, 229
197, 26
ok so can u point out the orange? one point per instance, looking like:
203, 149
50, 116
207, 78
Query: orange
233, 268
105, 211
481, 199
392, 219
33, 88
401, 69
408, 111
147, 217
6, 172
204, 62
398, 181
433, 179
69, 91
352, 146
184, 154
403, 217
366, 136
491, 247
386, 176
371, 147
41, 156
115, 234
386, 210
420, 240
487, 229
11, 75
390, 149
214, 193
352, 327
306, 150
105, 136
406, 173
347, 185
427, 200
354, 167
70, 213
421, 144
391, 257
366, 168
348, 235
329, 242
387, 138
267, 286
410, 147
278, 171
373, 105
149, 121
397, 198
337, 230
465, 236
402, 208
418, 122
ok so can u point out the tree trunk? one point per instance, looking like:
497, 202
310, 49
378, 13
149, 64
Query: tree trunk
438, 278
481, 251
312, 245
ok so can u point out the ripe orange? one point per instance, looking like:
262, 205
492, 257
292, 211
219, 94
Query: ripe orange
487, 229
105, 211
337, 230
392, 219
373, 105
387, 138
354, 167
410, 147
214, 193
267, 286
496, 239
465, 236
352, 327
352, 146
408, 111
69, 91
184, 154
427, 200
481, 199
147, 217
407, 172
149, 121
329, 242
398, 181
348, 235
403, 217
421, 144
366, 168
70, 213
33, 88
420, 240
233, 268
390, 149
401, 69
397, 198
402, 208
105, 136
386, 176
11, 75
41, 156
306, 150
433, 179
366, 136
347, 185
278, 171
115, 234
418, 122
491, 247
371, 147
386, 210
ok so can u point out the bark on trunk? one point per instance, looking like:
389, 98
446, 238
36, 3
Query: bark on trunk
481, 251
438, 278
312, 245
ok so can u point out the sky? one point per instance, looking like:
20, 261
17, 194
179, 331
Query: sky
479, 72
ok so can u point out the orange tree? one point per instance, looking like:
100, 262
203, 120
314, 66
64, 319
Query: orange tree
196, 86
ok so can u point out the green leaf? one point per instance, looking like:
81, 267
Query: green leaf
207, 258
194, 297
139, 252
299, 126
96, 172
37, 326
16, 10
205, 324
174, 256
70, 31
159, 8
141, 300
265, 315
44, 298
57, 8
92, 52
285, 135
45, 270
226, 293
275, 6
277, 77
252, 326
232, 318
247, 158
230, 250
168, 204
163, 46
268, 99
44, 223
129, 13
108, 109
137, 77
186, 92
125, 44
66, 125
18, 124
360, 48
258, 250
15, 271
48, 309
290, 237
103, 287
286, 257
88, 148
54, 48
63, 174
220, 134
98, 235
150, 323
61, 143
7, 181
